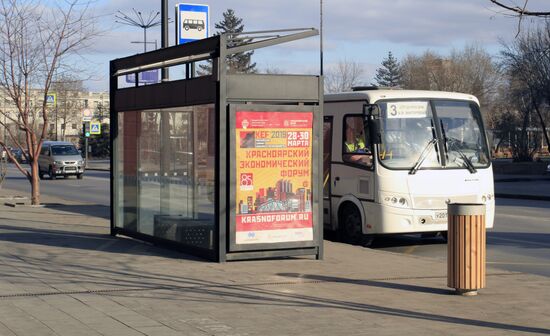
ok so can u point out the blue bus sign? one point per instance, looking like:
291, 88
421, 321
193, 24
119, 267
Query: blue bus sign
145, 77
192, 22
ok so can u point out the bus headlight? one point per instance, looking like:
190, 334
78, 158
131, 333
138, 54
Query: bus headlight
395, 200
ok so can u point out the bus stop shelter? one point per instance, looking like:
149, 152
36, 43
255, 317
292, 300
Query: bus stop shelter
224, 165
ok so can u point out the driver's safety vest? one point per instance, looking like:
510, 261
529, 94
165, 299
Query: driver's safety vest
357, 145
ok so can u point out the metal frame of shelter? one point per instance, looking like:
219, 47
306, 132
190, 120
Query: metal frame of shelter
228, 92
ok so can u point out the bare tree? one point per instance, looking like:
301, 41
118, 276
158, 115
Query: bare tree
36, 39
469, 70
527, 64
272, 70
67, 89
345, 75
521, 11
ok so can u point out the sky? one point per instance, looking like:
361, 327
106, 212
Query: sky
362, 31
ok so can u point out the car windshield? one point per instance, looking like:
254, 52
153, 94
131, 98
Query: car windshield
64, 150
410, 131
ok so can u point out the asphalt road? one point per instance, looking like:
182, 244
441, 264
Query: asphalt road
94, 188
519, 241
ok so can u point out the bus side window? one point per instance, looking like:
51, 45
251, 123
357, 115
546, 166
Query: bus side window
356, 149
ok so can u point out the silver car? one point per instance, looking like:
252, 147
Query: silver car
59, 158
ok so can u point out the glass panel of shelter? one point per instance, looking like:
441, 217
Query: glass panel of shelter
173, 161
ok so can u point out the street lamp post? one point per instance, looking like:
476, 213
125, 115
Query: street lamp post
164, 34
5, 124
56, 139
321, 36
144, 23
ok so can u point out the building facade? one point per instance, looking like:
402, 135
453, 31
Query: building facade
65, 110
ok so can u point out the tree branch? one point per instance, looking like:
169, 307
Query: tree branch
520, 11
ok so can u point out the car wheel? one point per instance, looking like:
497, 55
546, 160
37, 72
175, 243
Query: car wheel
186, 27
350, 227
51, 174
199, 28
80, 176
41, 175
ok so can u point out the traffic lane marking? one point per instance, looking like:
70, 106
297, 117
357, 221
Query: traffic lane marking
489, 237
517, 263
543, 218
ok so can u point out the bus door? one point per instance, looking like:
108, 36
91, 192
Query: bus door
327, 159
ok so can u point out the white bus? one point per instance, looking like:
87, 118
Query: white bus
394, 159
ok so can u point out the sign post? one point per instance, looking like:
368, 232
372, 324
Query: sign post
51, 99
86, 134
87, 115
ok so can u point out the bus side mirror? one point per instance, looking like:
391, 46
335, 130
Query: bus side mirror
372, 110
371, 115
374, 130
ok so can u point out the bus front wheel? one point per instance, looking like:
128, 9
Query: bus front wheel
350, 226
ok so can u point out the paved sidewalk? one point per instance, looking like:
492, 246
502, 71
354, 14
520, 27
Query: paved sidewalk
102, 165
62, 274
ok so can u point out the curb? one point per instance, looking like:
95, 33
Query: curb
525, 197
99, 169
522, 179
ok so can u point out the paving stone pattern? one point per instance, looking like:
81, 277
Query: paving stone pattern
62, 274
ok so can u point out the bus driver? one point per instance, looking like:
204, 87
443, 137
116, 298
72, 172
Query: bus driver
355, 149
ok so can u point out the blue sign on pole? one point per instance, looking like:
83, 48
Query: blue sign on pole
147, 77
193, 22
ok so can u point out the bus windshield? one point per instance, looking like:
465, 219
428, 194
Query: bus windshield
412, 133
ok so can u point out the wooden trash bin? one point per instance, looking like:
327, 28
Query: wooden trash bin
466, 250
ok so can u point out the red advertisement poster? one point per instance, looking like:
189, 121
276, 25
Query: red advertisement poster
274, 162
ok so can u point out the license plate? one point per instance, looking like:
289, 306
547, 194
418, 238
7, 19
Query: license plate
441, 215
70, 168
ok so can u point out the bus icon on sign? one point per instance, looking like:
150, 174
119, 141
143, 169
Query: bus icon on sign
193, 24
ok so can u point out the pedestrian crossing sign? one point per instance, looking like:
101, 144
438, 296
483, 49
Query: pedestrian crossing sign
95, 128
51, 98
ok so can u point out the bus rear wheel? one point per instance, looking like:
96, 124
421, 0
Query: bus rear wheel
350, 227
